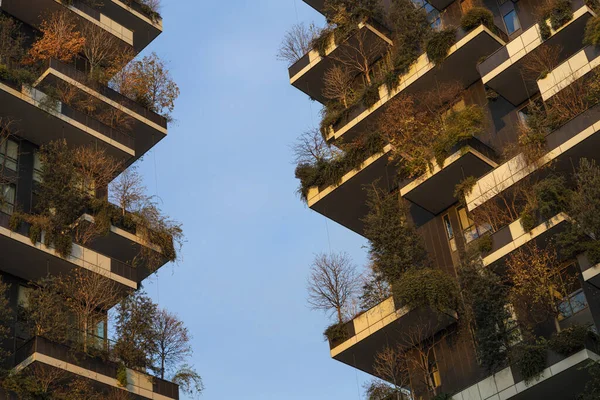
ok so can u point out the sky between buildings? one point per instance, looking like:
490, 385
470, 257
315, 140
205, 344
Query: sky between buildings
225, 170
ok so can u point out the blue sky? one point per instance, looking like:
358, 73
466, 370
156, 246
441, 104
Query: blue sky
225, 171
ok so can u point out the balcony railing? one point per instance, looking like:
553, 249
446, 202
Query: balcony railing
102, 363
503, 69
82, 78
458, 67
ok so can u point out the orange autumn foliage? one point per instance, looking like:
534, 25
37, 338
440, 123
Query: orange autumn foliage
60, 39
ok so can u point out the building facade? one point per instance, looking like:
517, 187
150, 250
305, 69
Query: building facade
512, 61
36, 112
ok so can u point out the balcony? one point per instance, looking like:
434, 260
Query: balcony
34, 12
346, 203
513, 237
383, 326
423, 76
41, 260
40, 121
440, 4
318, 5
307, 74
137, 18
434, 191
564, 378
503, 70
577, 67
102, 373
123, 245
576, 139
149, 127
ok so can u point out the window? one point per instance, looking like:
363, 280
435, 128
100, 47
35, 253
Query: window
511, 20
9, 152
435, 379
575, 301
449, 232
7, 198
37, 167
433, 15
470, 230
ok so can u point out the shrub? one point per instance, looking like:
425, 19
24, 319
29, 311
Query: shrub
528, 219
530, 360
122, 375
561, 13
592, 32
484, 244
336, 333
63, 244
552, 196
477, 16
569, 340
35, 233
15, 221
321, 42
371, 95
439, 43
427, 287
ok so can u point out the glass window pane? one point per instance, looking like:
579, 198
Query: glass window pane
512, 22
448, 227
12, 149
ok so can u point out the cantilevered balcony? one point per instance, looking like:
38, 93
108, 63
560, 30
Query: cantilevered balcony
41, 120
149, 127
440, 4
307, 74
513, 237
24, 259
100, 372
565, 377
385, 325
124, 246
346, 203
145, 24
35, 11
434, 191
503, 71
423, 76
318, 5
576, 139
577, 68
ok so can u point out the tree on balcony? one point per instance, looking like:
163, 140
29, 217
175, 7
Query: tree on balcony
390, 366
60, 39
297, 42
11, 41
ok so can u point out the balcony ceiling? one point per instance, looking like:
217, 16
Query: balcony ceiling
347, 204
440, 4
316, 4
362, 354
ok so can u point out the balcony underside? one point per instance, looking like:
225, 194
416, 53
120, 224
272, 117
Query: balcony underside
147, 133
434, 191
440, 4
513, 237
504, 70
308, 73
459, 67
318, 5
346, 204
360, 351
21, 258
40, 127
144, 29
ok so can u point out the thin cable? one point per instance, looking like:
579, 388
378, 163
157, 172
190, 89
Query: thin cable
296, 9
155, 174
328, 238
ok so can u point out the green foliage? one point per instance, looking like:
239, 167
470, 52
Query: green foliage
459, 126
439, 43
353, 10
336, 333
122, 375
464, 188
528, 219
330, 171
545, 31
394, 243
6, 318
570, 340
552, 196
592, 32
486, 297
35, 233
427, 287
592, 387
476, 16
374, 291
135, 335
530, 360
330, 115
371, 95
63, 244
15, 221
484, 243
321, 42
189, 380
560, 13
